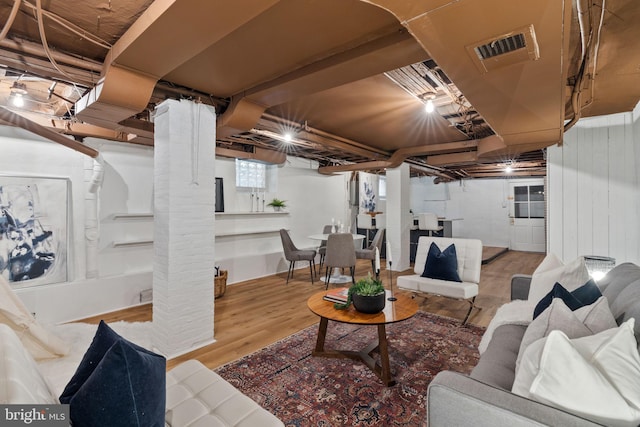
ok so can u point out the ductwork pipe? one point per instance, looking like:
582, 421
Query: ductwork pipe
92, 221
19, 121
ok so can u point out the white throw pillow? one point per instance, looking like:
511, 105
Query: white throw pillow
597, 316
551, 270
597, 377
555, 317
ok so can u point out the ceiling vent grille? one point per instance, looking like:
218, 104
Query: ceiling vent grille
514, 47
501, 46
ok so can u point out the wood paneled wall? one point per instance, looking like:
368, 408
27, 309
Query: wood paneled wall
593, 189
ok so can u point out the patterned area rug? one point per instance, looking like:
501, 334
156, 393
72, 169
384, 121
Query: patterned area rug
303, 390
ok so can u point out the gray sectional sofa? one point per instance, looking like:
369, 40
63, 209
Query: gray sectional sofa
483, 398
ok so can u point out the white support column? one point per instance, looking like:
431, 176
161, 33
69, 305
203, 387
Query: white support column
398, 220
184, 219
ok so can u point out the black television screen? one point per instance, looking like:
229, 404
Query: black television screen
219, 195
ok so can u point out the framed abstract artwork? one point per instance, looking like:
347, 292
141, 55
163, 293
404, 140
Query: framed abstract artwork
33, 229
368, 191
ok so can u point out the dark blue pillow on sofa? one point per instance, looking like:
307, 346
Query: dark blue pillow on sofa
586, 294
117, 384
442, 265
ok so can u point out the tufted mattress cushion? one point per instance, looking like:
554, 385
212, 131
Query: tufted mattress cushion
198, 397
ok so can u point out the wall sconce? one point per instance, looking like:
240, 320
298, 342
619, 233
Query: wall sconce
598, 266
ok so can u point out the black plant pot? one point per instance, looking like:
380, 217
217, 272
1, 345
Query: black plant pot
369, 304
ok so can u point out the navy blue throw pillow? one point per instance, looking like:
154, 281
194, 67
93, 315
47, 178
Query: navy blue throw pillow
117, 384
585, 295
442, 265
588, 293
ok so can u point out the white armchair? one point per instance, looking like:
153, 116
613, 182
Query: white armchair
469, 257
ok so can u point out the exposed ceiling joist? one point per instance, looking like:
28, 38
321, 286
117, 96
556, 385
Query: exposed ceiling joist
355, 78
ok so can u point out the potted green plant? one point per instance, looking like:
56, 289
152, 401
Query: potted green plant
367, 295
277, 204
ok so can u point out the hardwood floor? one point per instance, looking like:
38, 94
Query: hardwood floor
256, 313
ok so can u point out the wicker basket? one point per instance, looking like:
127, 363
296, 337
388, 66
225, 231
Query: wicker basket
220, 284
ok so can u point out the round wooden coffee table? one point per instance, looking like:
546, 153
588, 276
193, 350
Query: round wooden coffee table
394, 311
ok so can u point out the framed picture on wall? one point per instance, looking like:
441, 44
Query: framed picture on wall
33, 229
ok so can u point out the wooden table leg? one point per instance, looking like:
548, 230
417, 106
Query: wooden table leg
383, 348
322, 333
383, 371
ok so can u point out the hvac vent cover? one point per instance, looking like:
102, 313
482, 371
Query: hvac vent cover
511, 48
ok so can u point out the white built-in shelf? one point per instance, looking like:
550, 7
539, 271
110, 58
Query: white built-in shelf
131, 243
252, 213
140, 215
247, 232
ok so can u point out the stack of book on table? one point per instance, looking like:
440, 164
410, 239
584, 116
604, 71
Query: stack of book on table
338, 295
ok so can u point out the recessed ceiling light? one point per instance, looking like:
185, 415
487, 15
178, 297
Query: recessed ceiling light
288, 137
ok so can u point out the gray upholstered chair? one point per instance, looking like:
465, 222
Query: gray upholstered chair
370, 251
341, 253
322, 250
293, 254
429, 221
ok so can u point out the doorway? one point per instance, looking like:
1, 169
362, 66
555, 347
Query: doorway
527, 216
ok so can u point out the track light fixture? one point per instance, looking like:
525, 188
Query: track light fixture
509, 167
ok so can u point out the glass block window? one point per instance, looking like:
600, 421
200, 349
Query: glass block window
251, 174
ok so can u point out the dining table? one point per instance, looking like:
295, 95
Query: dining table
336, 275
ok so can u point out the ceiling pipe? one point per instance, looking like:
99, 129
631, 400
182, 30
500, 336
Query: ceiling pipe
585, 39
399, 156
18, 120
340, 142
260, 154
590, 55
35, 49
12, 17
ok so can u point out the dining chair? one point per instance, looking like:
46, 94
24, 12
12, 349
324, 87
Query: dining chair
370, 251
429, 221
322, 250
293, 254
341, 253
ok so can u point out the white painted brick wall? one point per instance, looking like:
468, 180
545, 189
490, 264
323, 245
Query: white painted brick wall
184, 219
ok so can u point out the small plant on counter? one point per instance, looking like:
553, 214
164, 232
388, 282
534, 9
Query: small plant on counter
277, 204
367, 286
